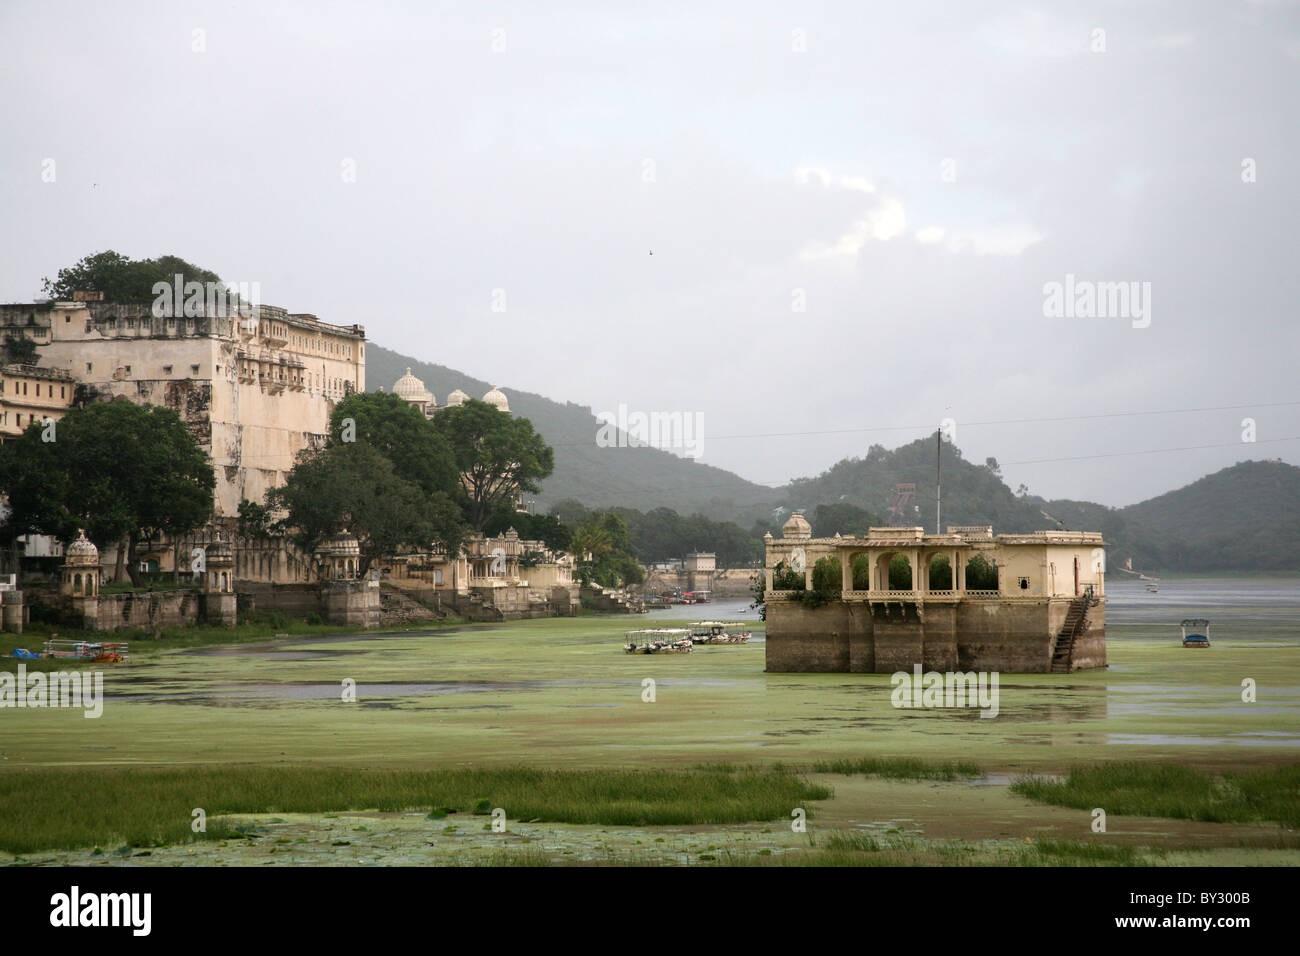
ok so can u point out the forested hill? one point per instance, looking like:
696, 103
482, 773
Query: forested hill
642, 478
1246, 517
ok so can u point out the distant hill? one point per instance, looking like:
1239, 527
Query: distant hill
1246, 517
641, 478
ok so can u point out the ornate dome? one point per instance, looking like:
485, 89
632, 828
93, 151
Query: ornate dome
457, 398
342, 545
412, 389
82, 552
796, 526
219, 553
498, 398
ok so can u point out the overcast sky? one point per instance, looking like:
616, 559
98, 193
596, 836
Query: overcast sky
911, 174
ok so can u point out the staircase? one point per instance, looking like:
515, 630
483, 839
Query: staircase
1076, 622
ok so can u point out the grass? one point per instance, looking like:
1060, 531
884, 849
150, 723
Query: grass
1177, 791
259, 626
900, 768
59, 809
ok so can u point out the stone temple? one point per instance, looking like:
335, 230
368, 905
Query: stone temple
1045, 612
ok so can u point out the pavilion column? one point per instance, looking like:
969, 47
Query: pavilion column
768, 576
957, 584
846, 571
807, 573
915, 560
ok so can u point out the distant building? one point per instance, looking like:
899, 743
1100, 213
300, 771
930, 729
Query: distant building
254, 391
32, 393
1046, 612
412, 390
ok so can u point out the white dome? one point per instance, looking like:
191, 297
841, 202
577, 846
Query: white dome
796, 526
81, 552
498, 398
457, 398
412, 389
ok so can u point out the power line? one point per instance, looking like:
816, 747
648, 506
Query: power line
972, 424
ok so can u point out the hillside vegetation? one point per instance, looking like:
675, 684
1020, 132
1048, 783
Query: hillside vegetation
1246, 517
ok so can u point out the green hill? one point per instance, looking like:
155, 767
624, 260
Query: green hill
642, 478
1246, 517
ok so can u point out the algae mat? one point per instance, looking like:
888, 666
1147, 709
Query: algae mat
561, 693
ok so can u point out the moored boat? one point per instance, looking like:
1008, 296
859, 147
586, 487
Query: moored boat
719, 632
658, 640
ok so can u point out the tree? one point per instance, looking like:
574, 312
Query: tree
20, 350
353, 487
254, 519
121, 278
119, 470
499, 457
550, 530
419, 453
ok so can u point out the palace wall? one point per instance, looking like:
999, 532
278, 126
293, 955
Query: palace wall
1014, 636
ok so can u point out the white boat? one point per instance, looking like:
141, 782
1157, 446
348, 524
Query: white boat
658, 640
719, 632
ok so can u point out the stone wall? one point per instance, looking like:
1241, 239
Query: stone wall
728, 584
885, 637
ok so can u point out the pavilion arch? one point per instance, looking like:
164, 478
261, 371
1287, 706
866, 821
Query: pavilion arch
882, 564
971, 572
927, 560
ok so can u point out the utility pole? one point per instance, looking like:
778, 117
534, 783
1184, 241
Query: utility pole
938, 478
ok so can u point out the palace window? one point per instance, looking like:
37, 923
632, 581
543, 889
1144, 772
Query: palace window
1024, 584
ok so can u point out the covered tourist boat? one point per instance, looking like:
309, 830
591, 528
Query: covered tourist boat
659, 640
719, 632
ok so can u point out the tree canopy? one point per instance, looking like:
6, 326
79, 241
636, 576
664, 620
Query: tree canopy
498, 456
118, 470
418, 452
121, 278
352, 486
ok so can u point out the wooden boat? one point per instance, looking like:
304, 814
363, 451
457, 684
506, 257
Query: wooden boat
658, 640
719, 632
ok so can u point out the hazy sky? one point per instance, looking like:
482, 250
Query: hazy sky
911, 174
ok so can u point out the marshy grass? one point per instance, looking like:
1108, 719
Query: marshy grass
1176, 791
62, 809
900, 768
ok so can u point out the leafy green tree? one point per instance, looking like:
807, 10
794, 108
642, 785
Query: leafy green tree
121, 278
119, 470
400, 432
843, 518
354, 487
499, 457
981, 575
900, 573
941, 574
254, 520
20, 350
546, 528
